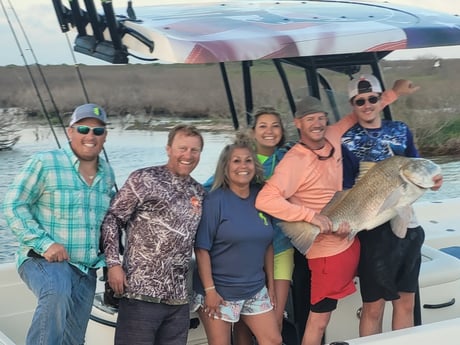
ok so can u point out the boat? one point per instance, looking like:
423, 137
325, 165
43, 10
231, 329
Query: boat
327, 41
9, 132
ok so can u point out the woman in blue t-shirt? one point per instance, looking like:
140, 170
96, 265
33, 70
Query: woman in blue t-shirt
234, 252
269, 137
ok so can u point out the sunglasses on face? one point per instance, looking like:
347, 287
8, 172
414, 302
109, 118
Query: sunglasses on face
97, 131
361, 101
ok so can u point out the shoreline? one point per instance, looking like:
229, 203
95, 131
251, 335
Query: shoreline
148, 122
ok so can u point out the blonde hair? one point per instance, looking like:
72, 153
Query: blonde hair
188, 130
242, 141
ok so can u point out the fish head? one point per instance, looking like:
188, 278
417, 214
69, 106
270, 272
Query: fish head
420, 172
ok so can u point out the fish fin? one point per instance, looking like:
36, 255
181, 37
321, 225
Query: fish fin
364, 167
392, 200
400, 223
336, 199
352, 234
301, 234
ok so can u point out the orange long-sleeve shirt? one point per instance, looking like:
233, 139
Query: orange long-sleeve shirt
302, 185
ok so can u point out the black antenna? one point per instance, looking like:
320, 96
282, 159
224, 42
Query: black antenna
130, 11
30, 74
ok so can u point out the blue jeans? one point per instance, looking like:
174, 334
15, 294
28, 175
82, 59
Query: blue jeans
65, 298
146, 323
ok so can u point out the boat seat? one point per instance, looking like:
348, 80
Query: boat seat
454, 251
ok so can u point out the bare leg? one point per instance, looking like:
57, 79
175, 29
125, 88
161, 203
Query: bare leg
403, 311
242, 335
314, 330
282, 290
264, 328
218, 332
371, 318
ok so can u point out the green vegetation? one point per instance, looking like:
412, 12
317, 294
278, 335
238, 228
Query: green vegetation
150, 92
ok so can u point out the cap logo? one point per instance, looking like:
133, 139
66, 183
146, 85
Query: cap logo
364, 86
96, 111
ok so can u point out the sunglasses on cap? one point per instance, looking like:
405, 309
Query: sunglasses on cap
361, 101
97, 131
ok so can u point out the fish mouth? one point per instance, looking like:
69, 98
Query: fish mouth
420, 172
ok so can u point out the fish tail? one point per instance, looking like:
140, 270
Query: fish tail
301, 234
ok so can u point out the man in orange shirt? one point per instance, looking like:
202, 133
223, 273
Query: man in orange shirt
299, 194
303, 183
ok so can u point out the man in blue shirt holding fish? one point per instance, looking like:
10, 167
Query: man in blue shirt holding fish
389, 265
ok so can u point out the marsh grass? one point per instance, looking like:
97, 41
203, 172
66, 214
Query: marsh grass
148, 92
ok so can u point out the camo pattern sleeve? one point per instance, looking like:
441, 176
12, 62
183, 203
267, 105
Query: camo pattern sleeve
159, 213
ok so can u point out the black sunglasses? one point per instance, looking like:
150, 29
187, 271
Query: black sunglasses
97, 131
361, 101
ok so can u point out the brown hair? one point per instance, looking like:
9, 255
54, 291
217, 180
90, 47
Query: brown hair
267, 110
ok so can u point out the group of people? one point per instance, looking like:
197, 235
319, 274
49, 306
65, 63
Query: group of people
62, 205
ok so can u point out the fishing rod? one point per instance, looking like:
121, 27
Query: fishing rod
26, 64
45, 83
58, 114
77, 68
85, 93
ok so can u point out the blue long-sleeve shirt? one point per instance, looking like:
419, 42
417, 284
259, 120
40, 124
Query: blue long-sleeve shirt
361, 144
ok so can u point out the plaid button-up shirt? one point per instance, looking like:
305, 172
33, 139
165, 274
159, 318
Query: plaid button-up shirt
50, 202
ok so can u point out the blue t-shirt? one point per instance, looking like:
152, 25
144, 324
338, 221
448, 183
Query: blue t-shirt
237, 237
280, 241
360, 144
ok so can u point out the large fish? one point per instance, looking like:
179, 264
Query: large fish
385, 192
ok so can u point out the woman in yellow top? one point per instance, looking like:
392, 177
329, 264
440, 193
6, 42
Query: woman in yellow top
269, 137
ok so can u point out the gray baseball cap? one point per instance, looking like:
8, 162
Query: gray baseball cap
86, 111
308, 105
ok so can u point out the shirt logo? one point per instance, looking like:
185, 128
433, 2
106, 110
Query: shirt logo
262, 216
196, 204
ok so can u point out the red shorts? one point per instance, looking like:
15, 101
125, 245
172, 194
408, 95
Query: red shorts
332, 276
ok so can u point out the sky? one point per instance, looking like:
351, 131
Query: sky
50, 46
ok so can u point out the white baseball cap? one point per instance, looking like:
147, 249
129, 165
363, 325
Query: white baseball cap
363, 84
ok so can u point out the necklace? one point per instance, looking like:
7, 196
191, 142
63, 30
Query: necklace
372, 132
321, 158
88, 177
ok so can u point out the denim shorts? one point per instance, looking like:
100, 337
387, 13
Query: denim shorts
258, 304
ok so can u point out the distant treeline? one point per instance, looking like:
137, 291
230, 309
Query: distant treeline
197, 92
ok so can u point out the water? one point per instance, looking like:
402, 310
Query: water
127, 150
130, 150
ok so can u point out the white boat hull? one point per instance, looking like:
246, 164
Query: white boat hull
439, 288
442, 332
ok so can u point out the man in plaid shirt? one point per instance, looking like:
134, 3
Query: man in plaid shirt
55, 207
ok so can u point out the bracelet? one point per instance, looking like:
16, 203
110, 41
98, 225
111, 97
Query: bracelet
210, 288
